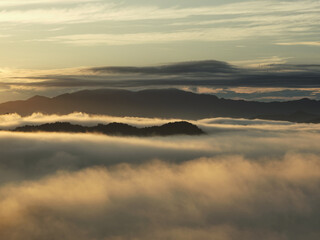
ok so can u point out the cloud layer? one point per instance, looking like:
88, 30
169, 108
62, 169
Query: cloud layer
224, 198
252, 18
264, 79
244, 180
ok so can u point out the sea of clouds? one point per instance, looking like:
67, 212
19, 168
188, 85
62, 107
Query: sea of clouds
244, 179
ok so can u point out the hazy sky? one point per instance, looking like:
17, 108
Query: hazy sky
49, 34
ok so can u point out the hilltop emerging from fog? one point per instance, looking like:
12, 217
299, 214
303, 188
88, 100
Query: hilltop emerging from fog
117, 129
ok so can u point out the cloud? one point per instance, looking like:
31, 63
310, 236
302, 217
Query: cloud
222, 78
252, 18
225, 198
203, 73
16, 3
101, 11
37, 155
204, 35
258, 94
261, 62
255, 80
308, 43
268, 18
244, 180
10, 121
179, 68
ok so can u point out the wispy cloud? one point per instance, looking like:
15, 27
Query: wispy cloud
261, 62
99, 23
248, 19
206, 35
307, 43
17, 3
101, 11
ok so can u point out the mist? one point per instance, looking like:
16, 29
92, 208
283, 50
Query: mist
244, 179
221, 198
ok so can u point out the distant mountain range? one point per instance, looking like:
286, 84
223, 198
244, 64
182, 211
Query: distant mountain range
298, 117
117, 129
164, 103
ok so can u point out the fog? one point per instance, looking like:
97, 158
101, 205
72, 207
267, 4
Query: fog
244, 179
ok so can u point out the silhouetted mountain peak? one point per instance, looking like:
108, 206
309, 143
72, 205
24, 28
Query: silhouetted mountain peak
38, 98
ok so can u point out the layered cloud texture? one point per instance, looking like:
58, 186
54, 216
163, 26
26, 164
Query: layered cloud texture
258, 80
48, 34
243, 180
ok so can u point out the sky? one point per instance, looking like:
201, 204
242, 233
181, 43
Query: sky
58, 34
61, 36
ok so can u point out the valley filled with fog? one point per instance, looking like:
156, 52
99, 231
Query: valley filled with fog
159, 120
243, 179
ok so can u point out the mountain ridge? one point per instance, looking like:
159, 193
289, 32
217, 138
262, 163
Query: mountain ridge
117, 129
160, 103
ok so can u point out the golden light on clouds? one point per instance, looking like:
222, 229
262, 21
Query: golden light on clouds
165, 199
65, 63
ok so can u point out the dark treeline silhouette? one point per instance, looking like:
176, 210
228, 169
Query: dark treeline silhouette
117, 129
163, 103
